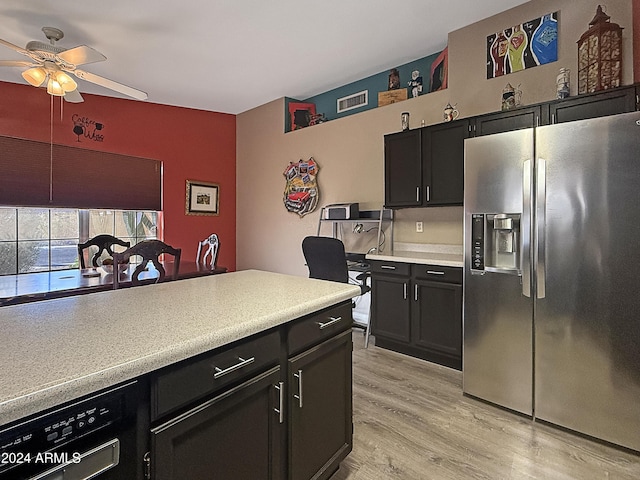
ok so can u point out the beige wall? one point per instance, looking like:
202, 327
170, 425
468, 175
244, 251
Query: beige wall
475, 95
350, 150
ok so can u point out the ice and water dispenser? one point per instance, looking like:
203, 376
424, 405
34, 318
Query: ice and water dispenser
495, 242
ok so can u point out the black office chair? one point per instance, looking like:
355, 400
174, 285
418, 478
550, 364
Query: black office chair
326, 260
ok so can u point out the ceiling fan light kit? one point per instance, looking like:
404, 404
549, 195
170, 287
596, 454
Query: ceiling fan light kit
35, 76
67, 83
53, 64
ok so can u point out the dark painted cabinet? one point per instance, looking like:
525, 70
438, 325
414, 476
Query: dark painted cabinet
237, 434
526, 117
417, 310
403, 169
275, 406
600, 104
443, 163
424, 167
320, 412
390, 301
437, 313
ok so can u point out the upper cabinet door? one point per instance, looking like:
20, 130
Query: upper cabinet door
443, 163
402, 169
607, 102
526, 117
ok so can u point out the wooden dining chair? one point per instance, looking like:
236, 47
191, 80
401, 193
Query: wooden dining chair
104, 243
150, 251
211, 244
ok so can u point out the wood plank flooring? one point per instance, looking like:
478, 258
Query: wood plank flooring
412, 422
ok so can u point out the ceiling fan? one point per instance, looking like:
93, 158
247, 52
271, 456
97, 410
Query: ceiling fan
52, 64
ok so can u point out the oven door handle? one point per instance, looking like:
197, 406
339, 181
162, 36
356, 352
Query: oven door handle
102, 458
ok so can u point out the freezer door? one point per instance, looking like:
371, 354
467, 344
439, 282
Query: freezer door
587, 327
497, 348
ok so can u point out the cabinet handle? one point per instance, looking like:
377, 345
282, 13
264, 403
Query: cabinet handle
280, 409
146, 462
388, 267
415, 292
553, 118
328, 324
428, 194
405, 290
434, 272
242, 363
417, 194
299, 395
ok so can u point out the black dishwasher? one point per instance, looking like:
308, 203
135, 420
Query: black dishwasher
93, 437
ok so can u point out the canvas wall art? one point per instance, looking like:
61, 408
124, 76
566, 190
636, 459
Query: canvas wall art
523, 46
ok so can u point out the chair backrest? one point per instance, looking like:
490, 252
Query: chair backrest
325, 258
150, 251
210, 246
104, 243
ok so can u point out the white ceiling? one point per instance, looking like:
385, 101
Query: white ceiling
232, 55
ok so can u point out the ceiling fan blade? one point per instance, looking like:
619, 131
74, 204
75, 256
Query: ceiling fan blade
81, 55
73, 96
14, 47
105, 82
17, 63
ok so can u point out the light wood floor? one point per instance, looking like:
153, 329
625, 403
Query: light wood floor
411, 421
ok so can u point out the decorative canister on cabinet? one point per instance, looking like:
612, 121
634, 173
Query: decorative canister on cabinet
600, 55
563, 81
405, 120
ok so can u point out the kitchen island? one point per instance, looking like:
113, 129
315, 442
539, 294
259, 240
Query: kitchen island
56, 351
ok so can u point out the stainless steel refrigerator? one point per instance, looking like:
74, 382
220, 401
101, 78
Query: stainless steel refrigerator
552, 274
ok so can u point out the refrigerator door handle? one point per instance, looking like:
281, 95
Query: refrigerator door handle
525, 237
541, 220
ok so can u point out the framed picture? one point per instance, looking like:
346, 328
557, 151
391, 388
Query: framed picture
202, 198
301, 114
439, 71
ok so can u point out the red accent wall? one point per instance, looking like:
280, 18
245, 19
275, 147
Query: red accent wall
192, 144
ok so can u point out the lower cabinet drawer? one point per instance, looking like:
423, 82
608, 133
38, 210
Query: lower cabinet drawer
438, 273
181, 384
319, 326
391, 268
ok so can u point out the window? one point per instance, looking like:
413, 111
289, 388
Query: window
41, 239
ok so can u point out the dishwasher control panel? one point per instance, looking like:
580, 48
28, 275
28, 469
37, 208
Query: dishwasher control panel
57, 427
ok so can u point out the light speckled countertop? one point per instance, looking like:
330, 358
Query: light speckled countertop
425, 254
54, 351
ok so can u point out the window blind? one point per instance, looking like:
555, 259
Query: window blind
79, 178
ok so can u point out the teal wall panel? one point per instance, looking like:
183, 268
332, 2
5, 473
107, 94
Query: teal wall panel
326, 103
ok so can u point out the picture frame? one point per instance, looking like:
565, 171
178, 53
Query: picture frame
301, 114
440, 71
202, 198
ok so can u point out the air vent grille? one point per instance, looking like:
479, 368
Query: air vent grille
356, 100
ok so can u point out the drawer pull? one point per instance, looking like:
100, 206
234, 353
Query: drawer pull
388, 267
299, 395
242, 363
280, 409
328, 324
434, 272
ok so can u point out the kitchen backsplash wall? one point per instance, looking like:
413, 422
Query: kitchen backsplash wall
443, 225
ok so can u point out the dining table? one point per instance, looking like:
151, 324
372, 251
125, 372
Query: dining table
30, 287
